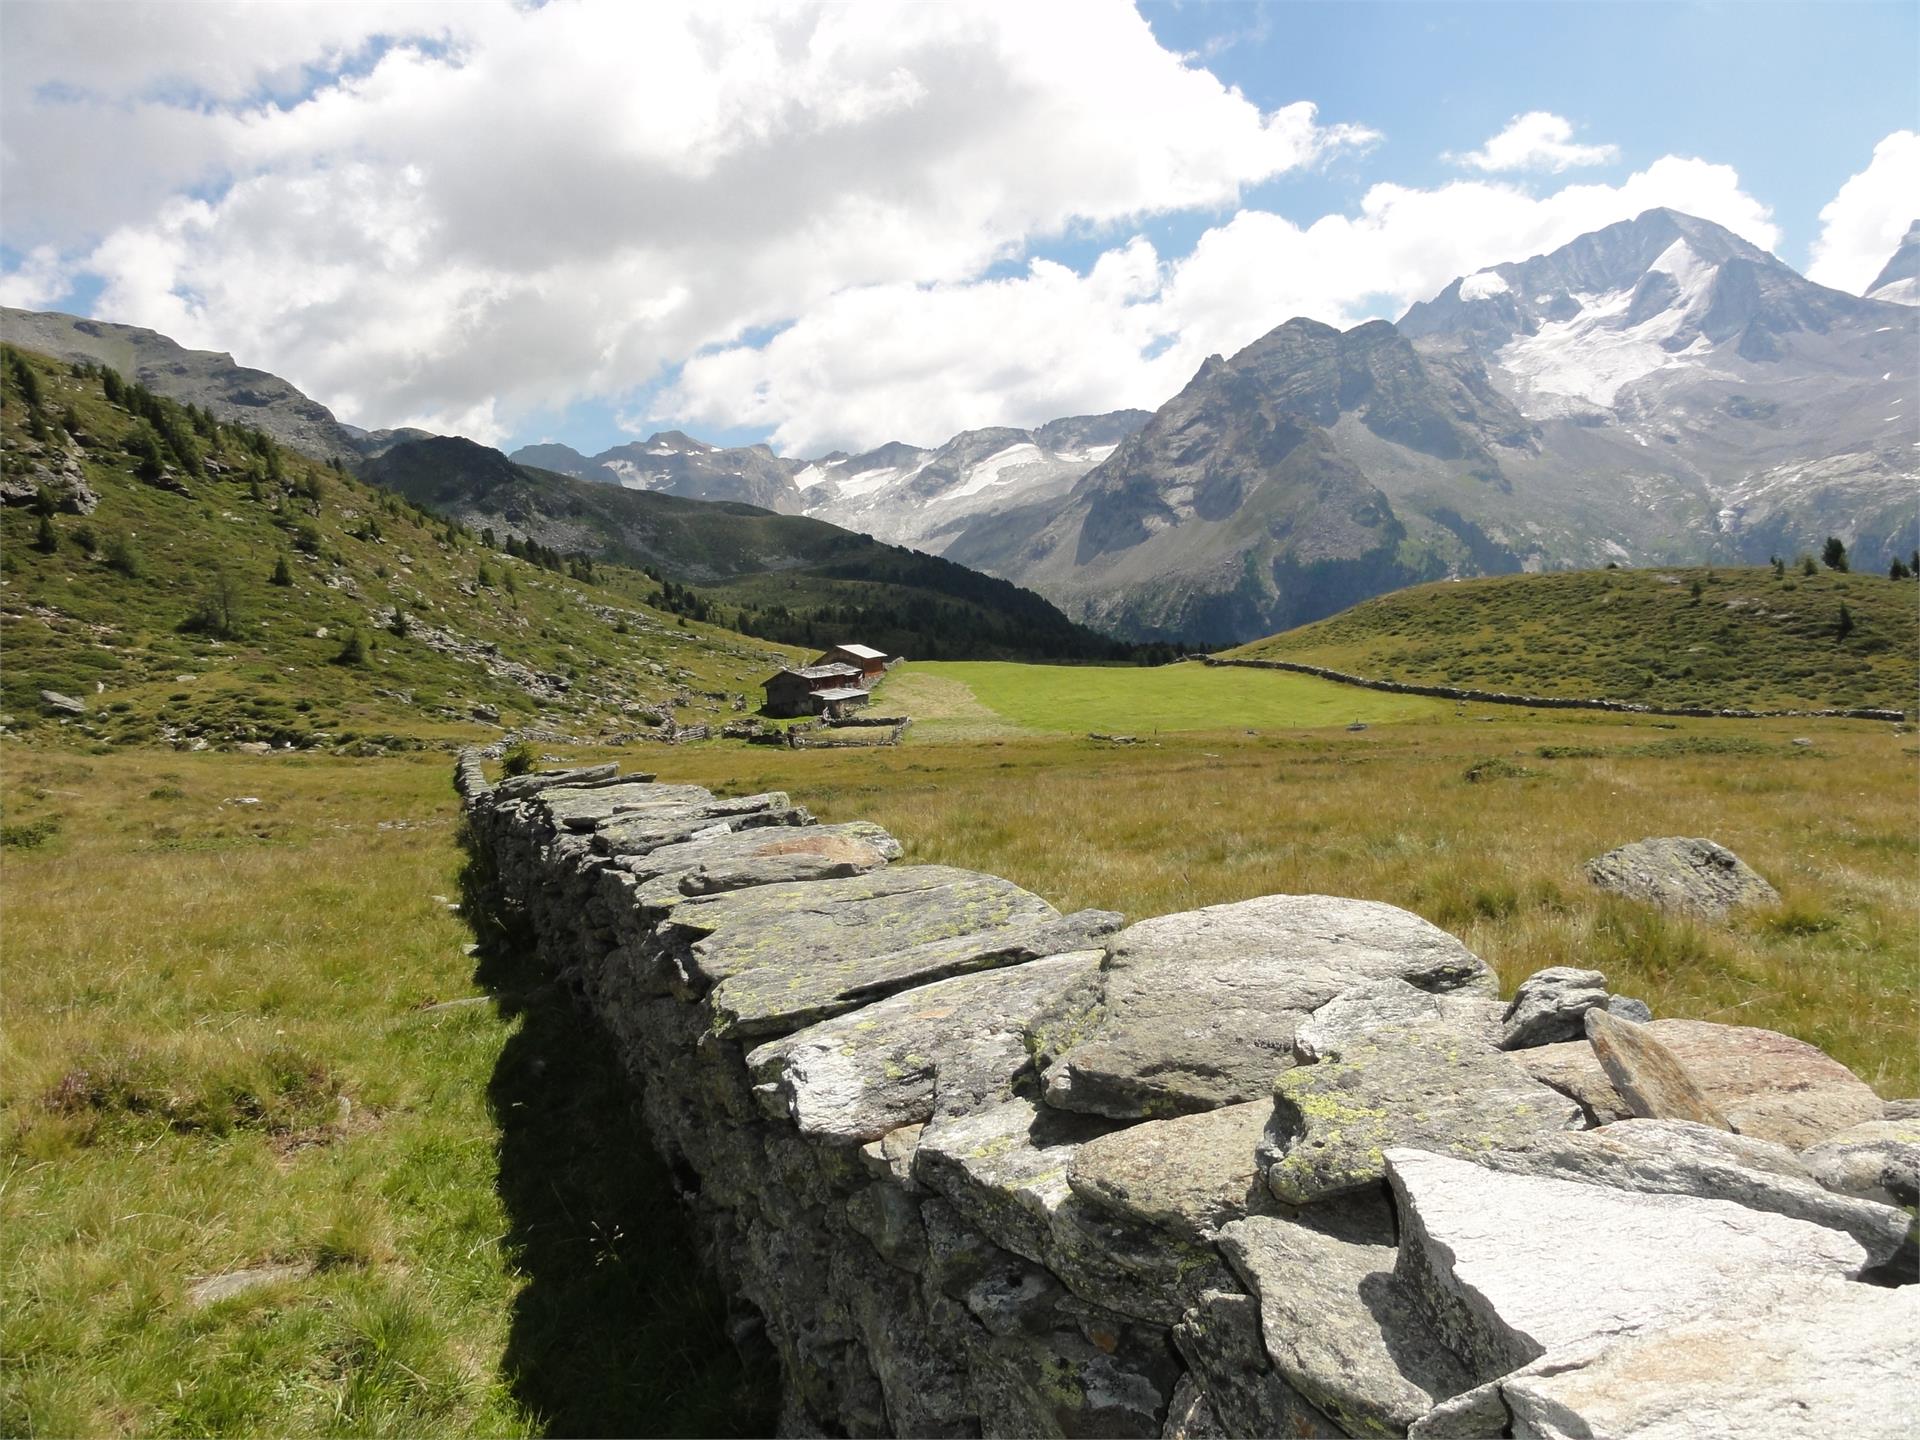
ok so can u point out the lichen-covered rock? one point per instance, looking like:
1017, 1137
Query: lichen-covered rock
1875, 1160
1509, 1267
1393, 1004
1549, 1004
1198, 1010
778, 957
1220, 1340
1190, 1416
519, 787
1768, 1084
950, 1048
1695, 876
1423, 1086
1675, 1157
740, 859
1800, 1358
1188, 1175
1005, 1169
1647, 1076
1340, 1326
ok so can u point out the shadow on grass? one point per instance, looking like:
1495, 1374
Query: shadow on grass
618, 1331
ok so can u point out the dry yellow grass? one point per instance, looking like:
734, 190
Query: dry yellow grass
1389, 815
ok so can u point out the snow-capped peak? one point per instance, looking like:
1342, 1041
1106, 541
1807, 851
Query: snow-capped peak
1484, 286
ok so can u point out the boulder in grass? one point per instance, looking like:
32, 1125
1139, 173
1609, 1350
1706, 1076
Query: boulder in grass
1693, 876
54, 703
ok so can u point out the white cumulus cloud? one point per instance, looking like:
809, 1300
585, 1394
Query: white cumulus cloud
433, 215
1537, 140
1862, 226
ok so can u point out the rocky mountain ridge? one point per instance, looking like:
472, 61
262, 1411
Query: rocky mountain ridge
900, 493
1657, 392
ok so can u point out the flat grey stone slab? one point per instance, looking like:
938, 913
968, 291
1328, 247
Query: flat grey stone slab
1675, 1157
1199, 1009
1005, 1169
1510, 1267
766, 855
1423, 1086
949, 1048
689, 855
778, 957
1340, 1326
641, 829
1393, 1004
570, 808
1188, 1175
1806, 1358
518, 787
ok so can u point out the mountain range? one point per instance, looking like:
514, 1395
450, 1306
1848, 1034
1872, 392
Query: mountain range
1656, 392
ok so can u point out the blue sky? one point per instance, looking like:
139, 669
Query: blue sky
830, 228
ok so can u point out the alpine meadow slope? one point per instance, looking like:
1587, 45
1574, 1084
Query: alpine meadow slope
787, 577
1740, 638
222, 589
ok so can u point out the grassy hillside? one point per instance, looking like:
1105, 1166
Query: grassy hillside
1747, 637
784, 577
160, 610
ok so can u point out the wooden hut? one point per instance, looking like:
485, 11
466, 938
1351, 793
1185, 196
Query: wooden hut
814, 690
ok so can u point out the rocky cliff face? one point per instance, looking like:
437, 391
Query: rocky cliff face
1283, 1167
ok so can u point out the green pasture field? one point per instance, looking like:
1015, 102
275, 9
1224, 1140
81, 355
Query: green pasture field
957, 698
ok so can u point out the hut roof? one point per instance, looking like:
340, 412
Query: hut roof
814, 672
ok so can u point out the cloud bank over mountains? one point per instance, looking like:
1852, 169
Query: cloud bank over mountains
820, 223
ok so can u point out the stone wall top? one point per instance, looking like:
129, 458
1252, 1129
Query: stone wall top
1276, 1167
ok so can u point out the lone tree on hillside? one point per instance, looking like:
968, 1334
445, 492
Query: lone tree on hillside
218, 613
353, 650
282, 573
1844, 627
1834, 554
1898, 569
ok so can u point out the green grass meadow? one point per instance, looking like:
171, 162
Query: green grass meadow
957, 697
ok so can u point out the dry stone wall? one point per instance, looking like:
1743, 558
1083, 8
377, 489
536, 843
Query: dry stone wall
1548, 702
977, 1167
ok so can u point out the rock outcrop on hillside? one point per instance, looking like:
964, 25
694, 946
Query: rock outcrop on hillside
918, 1115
